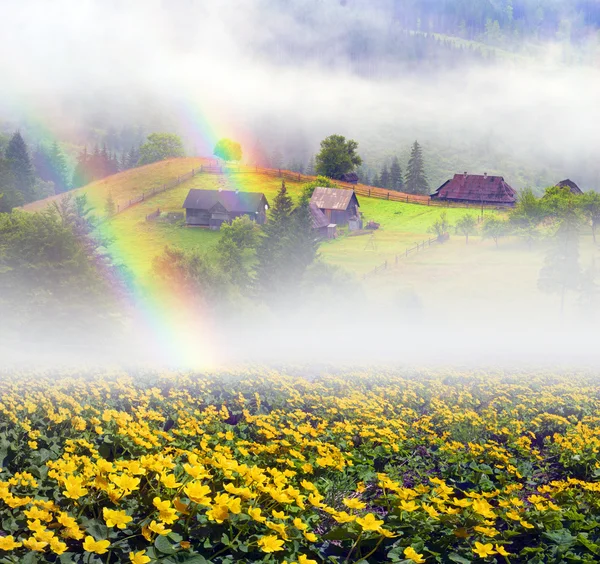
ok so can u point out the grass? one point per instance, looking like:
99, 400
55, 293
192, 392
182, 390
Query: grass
128, 184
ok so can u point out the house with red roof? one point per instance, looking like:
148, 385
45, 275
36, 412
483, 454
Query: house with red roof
476, 189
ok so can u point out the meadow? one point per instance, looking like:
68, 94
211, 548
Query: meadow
300, 466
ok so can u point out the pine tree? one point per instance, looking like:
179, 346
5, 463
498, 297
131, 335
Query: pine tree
58, 169
81, 174
132, 158
270, 254
310, 167
416, 181
21, 166
10, 197
385, 177
376, 181
396, 182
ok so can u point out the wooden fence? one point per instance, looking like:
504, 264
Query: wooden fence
394, 262
360, 189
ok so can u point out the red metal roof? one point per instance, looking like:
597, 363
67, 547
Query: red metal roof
476, 188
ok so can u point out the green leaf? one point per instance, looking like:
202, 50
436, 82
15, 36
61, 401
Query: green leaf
562, 537
458, 558
175, 537
163, 544
338, 534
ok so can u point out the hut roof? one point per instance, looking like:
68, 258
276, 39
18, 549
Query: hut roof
571, 186
351, 177
332, 198
236, 202
319, 219
477, 188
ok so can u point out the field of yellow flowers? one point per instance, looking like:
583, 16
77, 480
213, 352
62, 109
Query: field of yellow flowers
381, 466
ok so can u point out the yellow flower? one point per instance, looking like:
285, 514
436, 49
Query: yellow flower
279, 515
299, 524
57, 546
484, 550
113, 518
412, 554
218, 513
9, 543
387, 534
487, 531
270, 543
139, 557
255, 513
92, 545
170, 481
526, 524
158, 528
166, 513
198, 493
74, 488
35, 545
501, 550
369, 522
513, 515
311, 537
343, 517
409, 506
353, 503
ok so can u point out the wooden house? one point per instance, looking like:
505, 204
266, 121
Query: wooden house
571, 186
338, 206
476, 189
210, 208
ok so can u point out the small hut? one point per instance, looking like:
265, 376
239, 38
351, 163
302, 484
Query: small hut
350, 178
571, 186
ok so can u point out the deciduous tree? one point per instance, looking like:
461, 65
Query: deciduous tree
337, 156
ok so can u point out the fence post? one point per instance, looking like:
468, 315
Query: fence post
388, 195
407, 198
280, 173
428, 201
369, 192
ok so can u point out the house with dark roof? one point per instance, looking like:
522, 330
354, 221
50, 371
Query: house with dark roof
476, 189
571, 186
339, 206
210, 208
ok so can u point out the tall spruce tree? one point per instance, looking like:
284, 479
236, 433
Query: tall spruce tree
10, 197
271, 251
385, 177
396, 181
21, 166
416, 181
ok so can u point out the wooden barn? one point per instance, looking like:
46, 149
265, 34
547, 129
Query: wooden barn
210, 208
476, 189
571, 186
339, 206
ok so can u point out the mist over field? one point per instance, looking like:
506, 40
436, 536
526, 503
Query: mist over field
284, 75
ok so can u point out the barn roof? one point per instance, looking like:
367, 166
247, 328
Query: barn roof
236, 202
571, 186
319, 219
332, 198
477, 188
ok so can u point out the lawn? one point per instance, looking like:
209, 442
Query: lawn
128, 184
136, 242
